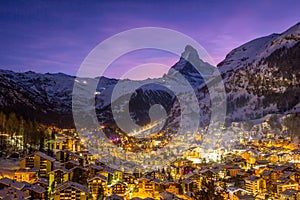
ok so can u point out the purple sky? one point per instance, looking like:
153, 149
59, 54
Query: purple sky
56, 36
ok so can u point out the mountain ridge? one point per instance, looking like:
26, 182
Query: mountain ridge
260, 78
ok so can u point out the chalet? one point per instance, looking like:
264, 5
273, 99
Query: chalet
118, 188
59, 142
29, 175
58, 176
36, 191
285, 184
150, 185
66, 142
211, 173
157, 175
93, 169
39, 161
68, 165
233, 171
129, 178
96, 182
190, 185
42, 182
255, 185
66, 155
86, 155
171, 186
112, 174
70, 190
79, 174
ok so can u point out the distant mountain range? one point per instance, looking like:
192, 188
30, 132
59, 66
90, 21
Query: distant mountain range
260, 77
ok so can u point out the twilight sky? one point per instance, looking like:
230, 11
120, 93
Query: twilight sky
56, 36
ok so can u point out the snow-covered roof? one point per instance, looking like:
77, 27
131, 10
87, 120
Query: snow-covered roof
45, 156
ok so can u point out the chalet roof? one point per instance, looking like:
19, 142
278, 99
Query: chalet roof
62, 186
42, 180
286, 174
6, 181
45, 156
85, 152
241, 173
262, 162
114, 197
284, 181
252, 178
23, 170
98, 176
215, 170
18, 185
97, 167
168, 196
147, 177
13, 193
168, 181
12, 183
187, 181
246, 197
121, 183
155, 180
72, 162
234, 189
234, 167
71, 153
289, 192
26, 185
266, 172
150, 178
280, 168
37, 189
61, 169
79, 167
59, 135
109, 170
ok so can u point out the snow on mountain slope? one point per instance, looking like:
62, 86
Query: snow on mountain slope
257, 49
246, 53
260, 77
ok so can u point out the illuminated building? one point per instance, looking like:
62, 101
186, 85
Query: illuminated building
255, 185
70, 190
29, 175
39, 161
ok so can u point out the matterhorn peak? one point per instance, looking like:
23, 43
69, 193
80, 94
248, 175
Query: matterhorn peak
190, 54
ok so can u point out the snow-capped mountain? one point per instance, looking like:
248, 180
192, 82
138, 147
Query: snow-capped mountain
44, 97
260, 77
